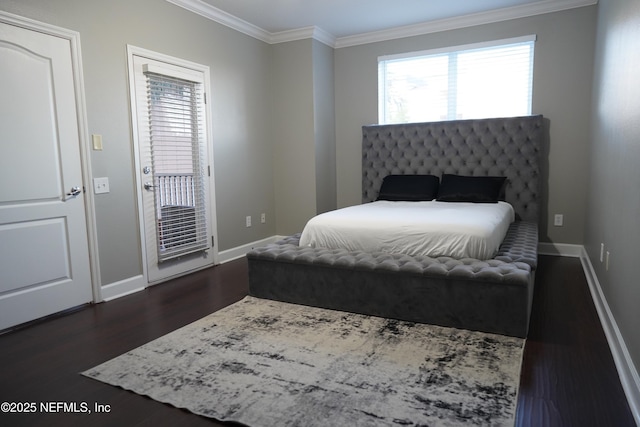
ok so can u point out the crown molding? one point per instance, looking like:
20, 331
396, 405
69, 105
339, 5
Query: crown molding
505, 14
489, 17
224, 18
316, 33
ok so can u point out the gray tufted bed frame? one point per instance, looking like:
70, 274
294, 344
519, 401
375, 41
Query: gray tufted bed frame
485, 295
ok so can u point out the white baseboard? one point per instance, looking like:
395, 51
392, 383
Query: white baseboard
621, 357
123, 287
560, 249
137, 283
240, 251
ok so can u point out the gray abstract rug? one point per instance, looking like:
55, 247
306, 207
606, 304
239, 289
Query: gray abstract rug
267, 363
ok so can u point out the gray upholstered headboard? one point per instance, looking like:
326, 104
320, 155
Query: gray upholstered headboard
486, 147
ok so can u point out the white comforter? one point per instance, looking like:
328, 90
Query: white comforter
458, 230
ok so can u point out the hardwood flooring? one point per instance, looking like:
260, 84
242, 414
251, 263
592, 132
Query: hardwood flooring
568, 375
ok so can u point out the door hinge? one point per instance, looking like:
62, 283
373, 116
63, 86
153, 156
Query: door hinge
209, 170
205, 97
213, 241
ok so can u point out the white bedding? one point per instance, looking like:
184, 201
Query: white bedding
458, 230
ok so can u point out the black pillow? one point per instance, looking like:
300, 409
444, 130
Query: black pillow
412, 188
477, 189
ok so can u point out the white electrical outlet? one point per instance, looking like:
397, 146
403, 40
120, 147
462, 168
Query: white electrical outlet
101, 185
248, 221
558, 220
263, 218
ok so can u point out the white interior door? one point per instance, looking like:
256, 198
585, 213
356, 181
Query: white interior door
174, 173
44, 256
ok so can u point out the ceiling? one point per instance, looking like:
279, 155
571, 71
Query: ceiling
336, 20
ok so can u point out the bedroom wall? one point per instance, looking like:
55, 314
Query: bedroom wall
562, 92
294, 144
241, 104
324, 127
304, 133
614, 190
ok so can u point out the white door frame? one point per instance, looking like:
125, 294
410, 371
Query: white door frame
138, 51
85, 164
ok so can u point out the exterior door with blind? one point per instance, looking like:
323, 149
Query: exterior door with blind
44, 253
174, 173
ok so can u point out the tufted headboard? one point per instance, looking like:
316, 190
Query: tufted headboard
485, 147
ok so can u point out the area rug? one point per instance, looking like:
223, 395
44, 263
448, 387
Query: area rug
266, 363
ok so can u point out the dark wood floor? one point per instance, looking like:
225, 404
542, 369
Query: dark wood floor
568, 375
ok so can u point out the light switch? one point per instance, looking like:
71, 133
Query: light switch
101, 185
97, 141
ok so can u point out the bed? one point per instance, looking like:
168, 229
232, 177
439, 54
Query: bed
428, 228
491, 293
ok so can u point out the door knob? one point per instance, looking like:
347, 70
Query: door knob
74, 191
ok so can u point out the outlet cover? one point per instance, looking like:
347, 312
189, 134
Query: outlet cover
558, 220
101, 185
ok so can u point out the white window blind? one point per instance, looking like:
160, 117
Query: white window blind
483, 80
177, 156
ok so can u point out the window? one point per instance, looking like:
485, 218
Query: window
482, 80
175, 129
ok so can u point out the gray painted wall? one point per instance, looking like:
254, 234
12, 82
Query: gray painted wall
614, 184
324, 127
562, 92
294, 146
304, 133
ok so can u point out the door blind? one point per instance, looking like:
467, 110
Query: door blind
178, 162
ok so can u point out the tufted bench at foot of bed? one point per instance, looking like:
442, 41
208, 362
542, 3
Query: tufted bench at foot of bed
491, 296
